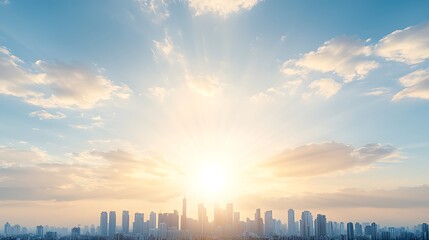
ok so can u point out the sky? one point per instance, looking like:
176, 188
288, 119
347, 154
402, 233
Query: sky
133, 105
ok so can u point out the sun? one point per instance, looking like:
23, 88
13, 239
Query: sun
212, 182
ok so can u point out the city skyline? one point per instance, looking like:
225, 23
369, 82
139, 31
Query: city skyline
267, 104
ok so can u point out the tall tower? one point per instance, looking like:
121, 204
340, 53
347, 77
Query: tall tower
103, 224
125, 222
258, 222
269, 224
350, 231
183, 225
306, 224
320, 226
291, 222
112, 223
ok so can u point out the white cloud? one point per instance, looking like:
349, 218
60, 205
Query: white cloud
378, 91
158, 93
326, 87
409, 45
323, 158
346, 57
165, 50
44, 115
283, 38
416, 85
221, 7
157, 10
56, 85
205, 85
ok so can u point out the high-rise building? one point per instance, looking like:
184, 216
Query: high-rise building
112, 223
125, 222
7, 229
350, 231
138, 223
291, 222
269, 223
202, 218
373, 231
425, 231
103, 224
358, 229
39, 231
320, 226
236, 224
306, 224
152, 220
183, 219
259, 223
228, 219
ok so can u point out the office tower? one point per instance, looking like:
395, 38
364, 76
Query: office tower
259, 227
425, 231
236, 224
7, 229
358, 230
228, 219
385, 235
342, 231
92, 230
39, 231
320, 226
138, 223
306, 224
269, 223
330, 229
183, 225
75, 233
217, 216
291, 222
112, 223
373, 231
368, 230
103, 224
350, 231
152, 220
125, 222
202, 218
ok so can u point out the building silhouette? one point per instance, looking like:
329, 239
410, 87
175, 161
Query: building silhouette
125, 222
112, 223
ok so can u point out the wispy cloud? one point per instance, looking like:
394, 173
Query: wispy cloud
221, 7
56, 85
45, 115
416, 85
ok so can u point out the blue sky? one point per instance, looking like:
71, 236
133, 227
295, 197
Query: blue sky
287, 101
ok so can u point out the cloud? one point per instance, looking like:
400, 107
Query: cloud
221, 7
289, 87
344, 56
378, 91
158, 93
205, 85
44, 115
56, 85
116, 174
97, 122
324, 158
326, 87
165, 50
402, 197
416, 85
157, 10
409, 45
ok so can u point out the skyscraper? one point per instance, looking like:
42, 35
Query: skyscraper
138, 223
228, 219
350, 231
358, 229
103, 224
112, 223
125, 222
202, 218
269, 223
373, 231
236, 224
425, 231
306, 224
39, 231
259, 223
152, 220
320, 226
183, 219
291, 222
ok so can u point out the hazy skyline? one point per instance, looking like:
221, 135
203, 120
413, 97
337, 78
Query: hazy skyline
311, 105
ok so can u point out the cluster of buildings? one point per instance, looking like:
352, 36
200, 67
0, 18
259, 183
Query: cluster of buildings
226, 224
